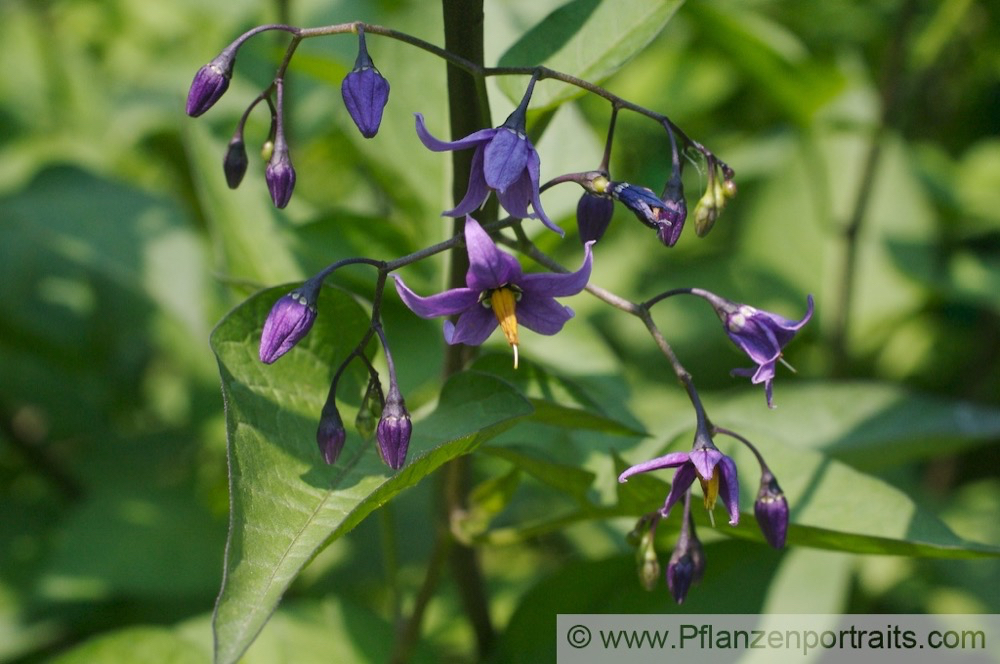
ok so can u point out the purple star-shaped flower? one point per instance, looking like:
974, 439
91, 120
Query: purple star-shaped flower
505, 161
760, 334
715, 471
498, 293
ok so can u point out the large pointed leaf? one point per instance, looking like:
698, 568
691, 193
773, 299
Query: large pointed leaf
285, 503
590, 39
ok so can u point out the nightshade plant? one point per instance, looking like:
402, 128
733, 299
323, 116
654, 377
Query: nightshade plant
489, 288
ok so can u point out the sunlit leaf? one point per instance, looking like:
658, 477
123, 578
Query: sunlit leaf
589, 39
286, 504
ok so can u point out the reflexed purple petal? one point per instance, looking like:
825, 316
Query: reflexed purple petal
448, 303
785, 329
729, 489
517, 196
765, 372
473, 327
549, 284
506, 157
704, 460
477, 192
488, 266
542, 314
671, 460
682, 481
472, 140
534, 164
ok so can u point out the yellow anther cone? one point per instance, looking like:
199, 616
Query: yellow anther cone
503, 301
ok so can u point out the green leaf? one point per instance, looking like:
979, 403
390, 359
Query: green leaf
590, 39
770, 54
286, 505
135, 644
558, 401
570, 480
868, 425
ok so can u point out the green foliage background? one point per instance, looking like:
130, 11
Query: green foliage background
121, 249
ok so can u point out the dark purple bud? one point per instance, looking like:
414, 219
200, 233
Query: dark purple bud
235, 163
290, 320
673, 214
280, 176
394, 429
593, 214
210, 83
365, 92
330, 435
771, 510
687, 564
647, 206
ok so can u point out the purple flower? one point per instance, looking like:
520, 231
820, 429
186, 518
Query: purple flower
290, 320
760, 334
498, 293
394, 429
365, 91
714, 470
210, 83
593, 214
504, 161
771, 510
280, 175
687, 563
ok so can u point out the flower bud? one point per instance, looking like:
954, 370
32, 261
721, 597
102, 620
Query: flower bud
371, 408
330, 435
394, 429
291, 318
646, 205
648, 562
771, 510
365, 92
235, 163
593, 215
673, 214
210, 83
280, 176
687, 564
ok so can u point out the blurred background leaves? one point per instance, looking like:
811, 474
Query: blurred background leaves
121, 248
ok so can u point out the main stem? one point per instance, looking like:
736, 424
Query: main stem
469, 111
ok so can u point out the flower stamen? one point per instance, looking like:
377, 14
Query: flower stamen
503, 302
